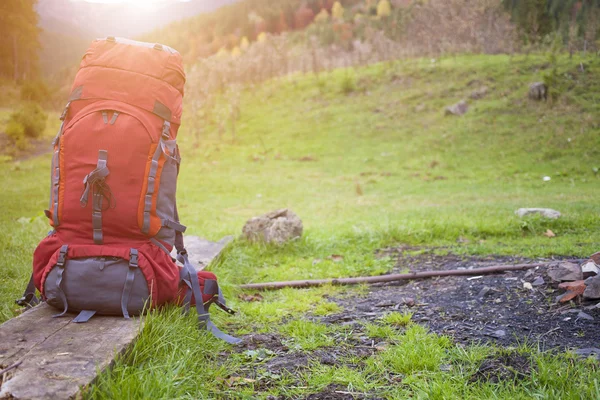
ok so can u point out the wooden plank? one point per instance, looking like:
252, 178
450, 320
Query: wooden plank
57, 357
201, 251
56, 363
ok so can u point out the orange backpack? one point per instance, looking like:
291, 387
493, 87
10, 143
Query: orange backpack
113, 191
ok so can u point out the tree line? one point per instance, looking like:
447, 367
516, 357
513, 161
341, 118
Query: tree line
19, 39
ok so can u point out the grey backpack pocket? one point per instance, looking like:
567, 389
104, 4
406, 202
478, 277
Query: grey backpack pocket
105, 285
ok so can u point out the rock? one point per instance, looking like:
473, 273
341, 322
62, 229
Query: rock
539, 281
565, 271
592, 291
275, 227
544, 212
589, 352
582, 315
538, 91
527, 285
459, 108
589, 269
480, 93
574, 289
484, 292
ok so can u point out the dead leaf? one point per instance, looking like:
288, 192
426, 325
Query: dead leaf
236, 381
359, 190
549, 234
434, 164
307, 158
250, 297
336, 257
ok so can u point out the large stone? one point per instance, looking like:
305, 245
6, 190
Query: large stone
544, 212
592, 290
538, 91
277, 226
459, 108
565, 271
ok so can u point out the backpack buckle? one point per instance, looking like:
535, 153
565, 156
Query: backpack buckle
166, 132
224, 307
133, 258
62, 256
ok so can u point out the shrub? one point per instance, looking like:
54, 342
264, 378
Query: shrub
36, 91
16, 131
31, 117
348, 84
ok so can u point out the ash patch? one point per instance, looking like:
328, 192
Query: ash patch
339, 392
501, 368
490, 308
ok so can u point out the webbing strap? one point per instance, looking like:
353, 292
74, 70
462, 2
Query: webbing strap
174, 225
179, 246
84, 316
96, 175
133, 265
60, 263
29, 299
55, 184
93, 181
97, 219
203, 316
150, 189
105, 117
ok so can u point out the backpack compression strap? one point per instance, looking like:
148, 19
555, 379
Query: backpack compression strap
29, 299
203, 316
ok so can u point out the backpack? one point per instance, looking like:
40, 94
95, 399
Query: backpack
113, 192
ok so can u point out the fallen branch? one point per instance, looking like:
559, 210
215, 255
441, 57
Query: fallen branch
389, 278
10, 367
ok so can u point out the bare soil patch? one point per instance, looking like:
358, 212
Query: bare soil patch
495, 309
490, 308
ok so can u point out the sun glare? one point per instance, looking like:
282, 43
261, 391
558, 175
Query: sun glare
134, 3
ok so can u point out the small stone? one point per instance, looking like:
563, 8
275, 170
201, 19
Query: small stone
544, 212
565, 271
459, 108
589, 352
574, 289
500, 333
484, 292
583, 315
592, 291
589, 268
527, 285
538, 91
480, 93
539, 281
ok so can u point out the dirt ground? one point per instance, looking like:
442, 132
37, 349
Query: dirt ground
482, 309
490, 308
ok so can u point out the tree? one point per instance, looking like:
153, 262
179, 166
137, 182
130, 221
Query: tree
337, 11
322, 16
18, 39
384, 9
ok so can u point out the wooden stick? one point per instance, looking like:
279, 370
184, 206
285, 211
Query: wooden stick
389, 278
15, 365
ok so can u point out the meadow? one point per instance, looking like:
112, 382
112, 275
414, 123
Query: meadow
368, 159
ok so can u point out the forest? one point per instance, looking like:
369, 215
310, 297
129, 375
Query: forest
233, 27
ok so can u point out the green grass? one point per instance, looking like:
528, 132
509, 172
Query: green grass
383, 166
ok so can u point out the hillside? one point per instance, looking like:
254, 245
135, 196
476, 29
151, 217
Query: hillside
69, 26
368, 160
